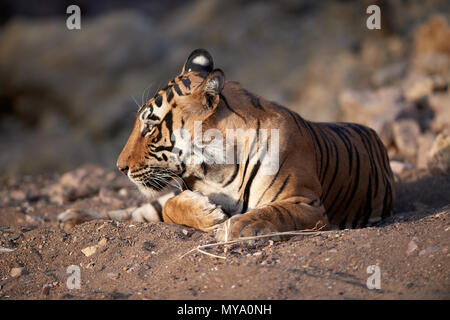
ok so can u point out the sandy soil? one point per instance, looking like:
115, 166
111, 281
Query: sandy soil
145, 260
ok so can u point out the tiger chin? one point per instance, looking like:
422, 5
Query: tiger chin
328, 175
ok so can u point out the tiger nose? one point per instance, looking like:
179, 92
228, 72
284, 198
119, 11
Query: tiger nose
124, 169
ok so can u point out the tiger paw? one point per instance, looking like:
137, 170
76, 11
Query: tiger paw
193, 209
71, 217
241, 225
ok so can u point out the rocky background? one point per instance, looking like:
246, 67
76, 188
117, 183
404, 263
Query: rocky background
67, 106
67, 97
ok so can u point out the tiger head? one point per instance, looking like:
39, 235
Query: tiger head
151, 158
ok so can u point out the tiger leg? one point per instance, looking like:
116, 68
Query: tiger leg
149, 212
297, 213
194, 210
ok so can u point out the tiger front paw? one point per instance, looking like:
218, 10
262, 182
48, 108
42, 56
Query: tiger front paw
241, 225
194, 210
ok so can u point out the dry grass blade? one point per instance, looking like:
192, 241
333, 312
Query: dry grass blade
200, 248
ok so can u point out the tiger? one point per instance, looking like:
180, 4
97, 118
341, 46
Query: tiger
326, 175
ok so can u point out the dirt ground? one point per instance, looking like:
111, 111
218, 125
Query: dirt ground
130, 260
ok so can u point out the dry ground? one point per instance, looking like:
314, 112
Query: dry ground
143, 260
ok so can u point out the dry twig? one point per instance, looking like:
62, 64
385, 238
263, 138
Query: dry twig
308, 232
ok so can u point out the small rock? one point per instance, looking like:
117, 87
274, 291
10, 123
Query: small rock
123, 192
34, 219
398, 166
406, 133
425, 142
419, 88
89, 251
439, 155
45, 289
412, 246
17, 272
102, 242
440, 103
113, 275
429, 250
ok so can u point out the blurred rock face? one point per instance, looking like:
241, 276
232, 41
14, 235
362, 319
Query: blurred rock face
66, 97
412, 115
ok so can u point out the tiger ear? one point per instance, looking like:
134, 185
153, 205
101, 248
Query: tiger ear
211, 88
199, 61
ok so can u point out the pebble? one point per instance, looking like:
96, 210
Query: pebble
113, 275
123, 192
406, 133
17, 272
34, 219
412, 246
45, 289
89, 251
102, 242
398, 167
429, 250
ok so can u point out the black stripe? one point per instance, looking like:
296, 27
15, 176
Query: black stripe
327, 155
336, 169
204, 168
272, 182
169, 94
379, 150
233, 176
249, 185
347, 143
254, 100
387, 201
330, 209
368, 140
332, 214
281, 189
231, 109
187, 83
245, 170
177, 89
356, 180
158, 100
317, 142
151, 154
281, 215
368, 208
293, 115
